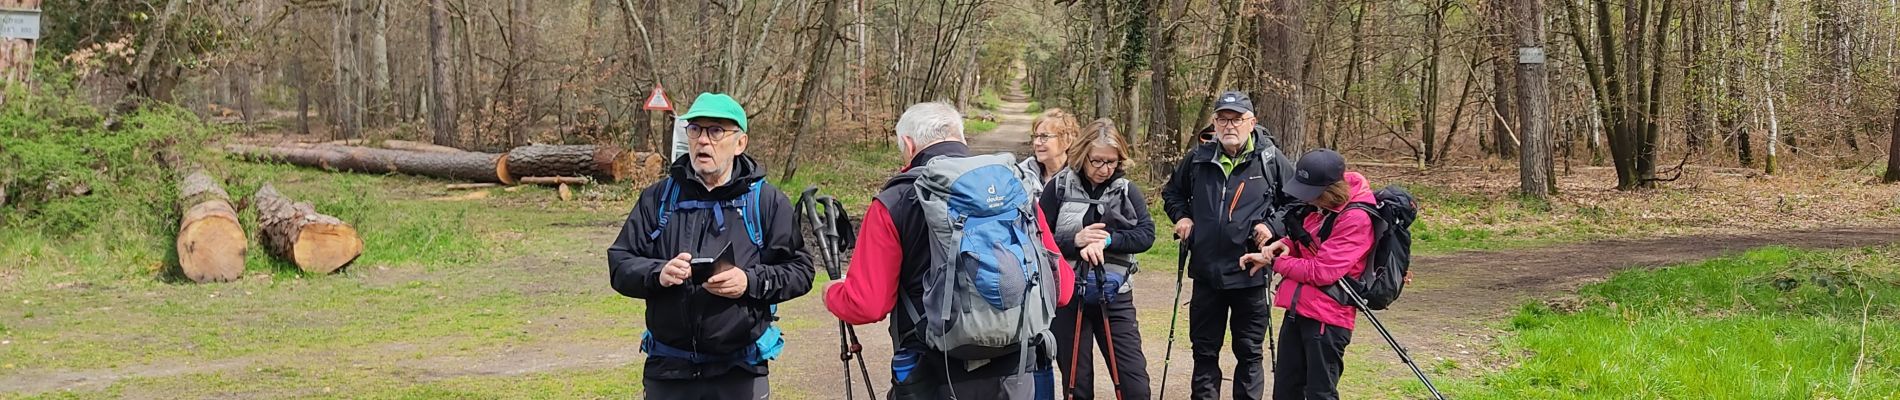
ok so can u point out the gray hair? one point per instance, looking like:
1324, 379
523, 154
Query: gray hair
927, 123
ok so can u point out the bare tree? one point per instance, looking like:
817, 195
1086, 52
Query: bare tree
1770, 66
1893, 146
1533, 124
347, 72
1166, 111
1283, 53
381, 99
1502, 143
442, 114
1736, 104
822, 40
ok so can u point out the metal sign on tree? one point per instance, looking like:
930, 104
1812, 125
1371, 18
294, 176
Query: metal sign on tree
19, 29
657, 101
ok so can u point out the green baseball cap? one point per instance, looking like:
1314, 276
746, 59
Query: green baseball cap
717, 105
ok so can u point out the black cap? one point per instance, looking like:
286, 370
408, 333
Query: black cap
1316, 170
1233, 101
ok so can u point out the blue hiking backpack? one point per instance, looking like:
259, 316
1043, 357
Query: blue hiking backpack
988, 288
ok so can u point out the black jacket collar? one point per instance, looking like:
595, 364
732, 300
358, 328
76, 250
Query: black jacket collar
745, 172
949, 148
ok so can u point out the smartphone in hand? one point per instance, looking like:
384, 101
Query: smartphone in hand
705, 267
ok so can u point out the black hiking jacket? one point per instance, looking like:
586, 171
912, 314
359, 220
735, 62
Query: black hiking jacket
1225, 208
686, 316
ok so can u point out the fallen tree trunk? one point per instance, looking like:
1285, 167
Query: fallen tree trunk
554, 180
210, 240
295, 232
602, 163
466, 166
419, 146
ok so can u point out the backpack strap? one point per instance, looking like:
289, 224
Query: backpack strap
1326, 228
748, 206
668, 196
750, 213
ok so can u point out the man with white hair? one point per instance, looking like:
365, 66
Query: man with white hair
904, 257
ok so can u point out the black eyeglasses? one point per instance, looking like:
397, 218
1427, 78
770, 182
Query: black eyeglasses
1043, 138
1230, 122
714, 132
1104, 163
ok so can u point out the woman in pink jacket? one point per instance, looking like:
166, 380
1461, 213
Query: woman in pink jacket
1317, 326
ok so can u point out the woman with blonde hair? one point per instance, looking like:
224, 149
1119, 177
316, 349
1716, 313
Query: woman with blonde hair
1101, 222
1050, 135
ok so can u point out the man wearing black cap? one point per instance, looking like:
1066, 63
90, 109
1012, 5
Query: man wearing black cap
1223, 197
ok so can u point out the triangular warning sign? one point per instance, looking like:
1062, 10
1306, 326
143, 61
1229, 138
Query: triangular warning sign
657, 101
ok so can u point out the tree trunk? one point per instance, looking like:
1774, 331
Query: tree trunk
1534, 161
382, 107
145, 82
465, 166
1737, 103
442, 118
211, 242
1696, 122
348, 122
1104, 47
1502, 144
814, 80
1166, 112
609, 163
1217, 82
405, 145
1283, 52
1893, 145
1769, 67
296, 232
555, 180
1428, 83
602, 163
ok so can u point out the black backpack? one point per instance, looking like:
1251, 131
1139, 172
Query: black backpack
1391, 256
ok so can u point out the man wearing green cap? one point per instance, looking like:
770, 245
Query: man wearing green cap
712, 249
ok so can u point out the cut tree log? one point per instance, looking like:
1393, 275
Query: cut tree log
603, 163
314, 242
554, 180
466, 166
419, 146
210, 240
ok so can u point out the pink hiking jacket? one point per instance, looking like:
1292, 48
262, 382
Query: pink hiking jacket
1306, 269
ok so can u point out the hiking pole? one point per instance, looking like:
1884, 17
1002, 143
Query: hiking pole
1407, 358
1114, 371
1273, 354
823, 223
1180, 274
835, 214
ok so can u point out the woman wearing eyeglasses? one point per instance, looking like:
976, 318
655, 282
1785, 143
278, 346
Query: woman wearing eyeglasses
1049, 136
1101, 222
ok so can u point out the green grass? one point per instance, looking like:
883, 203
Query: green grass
1772, 324
977, 126
989, 100
1035, 107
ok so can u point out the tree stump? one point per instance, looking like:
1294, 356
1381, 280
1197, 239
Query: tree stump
316, 243
210, 241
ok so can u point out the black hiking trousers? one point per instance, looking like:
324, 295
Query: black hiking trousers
1209, 313
1310, 359
1129, 361
733, 385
